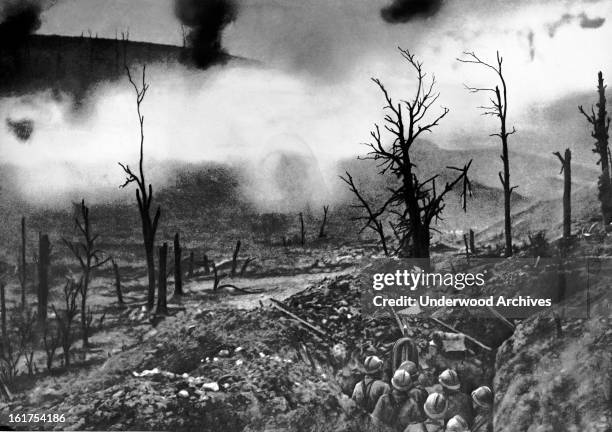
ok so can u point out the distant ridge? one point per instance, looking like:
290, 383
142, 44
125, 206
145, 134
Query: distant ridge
75, 64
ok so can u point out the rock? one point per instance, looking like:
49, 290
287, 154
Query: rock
183, 394
212, 386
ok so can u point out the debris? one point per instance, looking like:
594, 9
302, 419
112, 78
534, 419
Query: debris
212, 386
466, 336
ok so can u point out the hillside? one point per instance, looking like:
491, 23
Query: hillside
75, 65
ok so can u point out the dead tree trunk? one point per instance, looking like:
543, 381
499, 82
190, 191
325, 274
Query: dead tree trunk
414, 205
178, 271
472, 242
235, 258
206, 265
191, 264
22, 263
499, 108
3, 311
566, 169
64, 318
44, 256
322, 233
118, 283
601, 126
162, 306
144, 194
373, 218
467, 247
302, 231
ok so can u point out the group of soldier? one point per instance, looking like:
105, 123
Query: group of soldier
409, 405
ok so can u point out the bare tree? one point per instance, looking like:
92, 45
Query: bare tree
498, 108
65, 318
415, 204
23, 279
44, 263
373, 218
89, 257
144, 193
601, 126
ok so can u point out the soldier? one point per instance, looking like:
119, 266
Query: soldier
457, 424
458, 402
483, 407
417, 392
435, 408
397, 409
370, 388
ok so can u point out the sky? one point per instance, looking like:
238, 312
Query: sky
309, 89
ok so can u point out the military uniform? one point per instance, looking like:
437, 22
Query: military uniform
368, 391
458, 404
483, 422
397, 410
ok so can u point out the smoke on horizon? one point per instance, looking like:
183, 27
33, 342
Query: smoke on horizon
206, 20
403, 11
18, 20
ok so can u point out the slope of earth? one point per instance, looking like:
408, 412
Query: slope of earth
547, 215
555, 372
556, 379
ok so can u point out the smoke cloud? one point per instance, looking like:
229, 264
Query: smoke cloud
18, 20
206, 19
402, 11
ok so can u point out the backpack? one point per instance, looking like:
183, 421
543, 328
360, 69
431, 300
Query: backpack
367, 402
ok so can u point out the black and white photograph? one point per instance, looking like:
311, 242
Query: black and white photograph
306, 215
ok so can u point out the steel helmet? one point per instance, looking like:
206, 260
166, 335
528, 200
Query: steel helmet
372, 365
449, 379
457, 424
483, 397
409, 367
401, 380
435, 406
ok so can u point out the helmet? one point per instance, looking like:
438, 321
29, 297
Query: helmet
457, 424
449, 379
401, 380
372, 365
435, 406
483, 397
409, 367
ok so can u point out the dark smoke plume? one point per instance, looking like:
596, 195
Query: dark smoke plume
206, 20
18, 20
402, 11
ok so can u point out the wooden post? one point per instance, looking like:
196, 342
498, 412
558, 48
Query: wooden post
44, 253
118, 283
191, 263
22, 263
178, 271
162, 306
235, 258
302, 233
